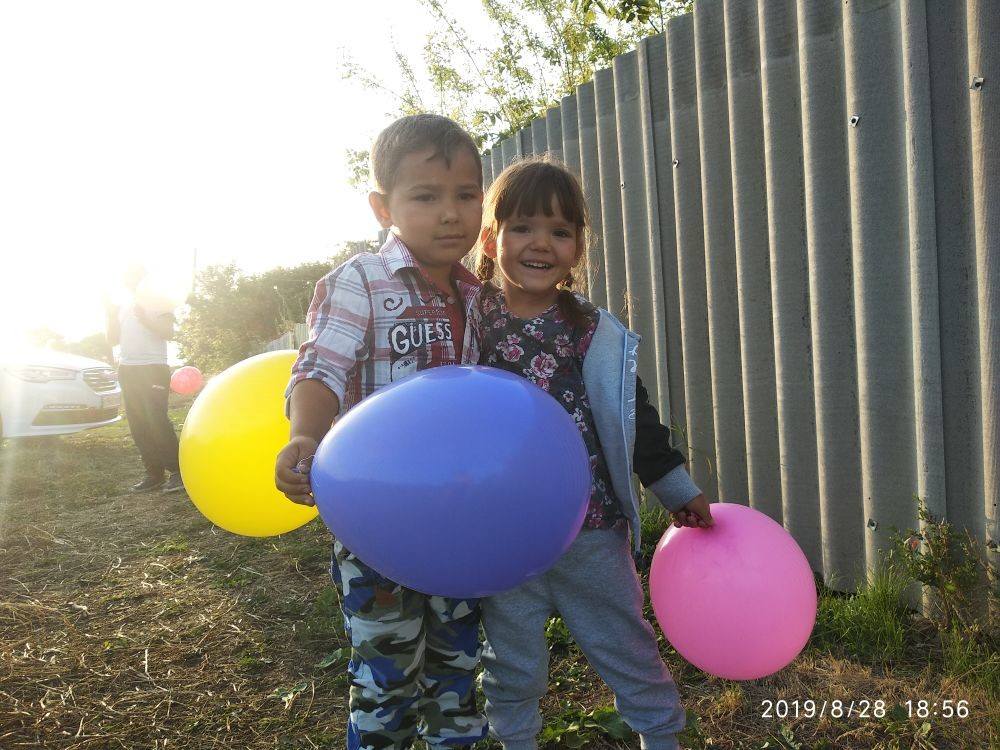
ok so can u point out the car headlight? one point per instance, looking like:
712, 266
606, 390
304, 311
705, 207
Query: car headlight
39, 374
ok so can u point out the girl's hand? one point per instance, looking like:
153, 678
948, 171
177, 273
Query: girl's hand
291, 470
695, 514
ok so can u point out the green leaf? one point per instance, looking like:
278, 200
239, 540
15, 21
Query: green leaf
288, 695
611, 723
897, 713
332, 658
789, 737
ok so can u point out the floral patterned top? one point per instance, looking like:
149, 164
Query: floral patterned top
549, 351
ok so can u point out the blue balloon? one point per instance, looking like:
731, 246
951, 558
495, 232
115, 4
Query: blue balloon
458, 481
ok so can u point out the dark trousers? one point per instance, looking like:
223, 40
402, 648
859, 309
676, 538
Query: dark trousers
145, 389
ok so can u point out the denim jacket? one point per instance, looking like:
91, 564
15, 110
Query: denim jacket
618, 402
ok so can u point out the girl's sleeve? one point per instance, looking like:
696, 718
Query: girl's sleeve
659, 465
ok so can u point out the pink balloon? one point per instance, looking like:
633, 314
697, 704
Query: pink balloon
737, 600
186, 380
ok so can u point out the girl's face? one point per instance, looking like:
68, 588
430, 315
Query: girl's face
535, 253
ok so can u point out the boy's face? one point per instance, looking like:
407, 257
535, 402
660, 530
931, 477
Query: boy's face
435, 208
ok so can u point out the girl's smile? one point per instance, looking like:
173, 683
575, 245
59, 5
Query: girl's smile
534, 254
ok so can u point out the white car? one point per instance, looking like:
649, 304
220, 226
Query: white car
45, 392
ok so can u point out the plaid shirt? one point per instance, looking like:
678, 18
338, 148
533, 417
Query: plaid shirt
378, 318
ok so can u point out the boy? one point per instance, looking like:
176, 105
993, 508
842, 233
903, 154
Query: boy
413, 656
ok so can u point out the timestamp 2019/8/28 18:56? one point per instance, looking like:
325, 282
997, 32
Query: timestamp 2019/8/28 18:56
862, 708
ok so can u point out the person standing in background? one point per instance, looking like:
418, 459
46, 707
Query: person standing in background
144, 375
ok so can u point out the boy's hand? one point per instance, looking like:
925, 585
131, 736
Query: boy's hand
695, 514
291, 470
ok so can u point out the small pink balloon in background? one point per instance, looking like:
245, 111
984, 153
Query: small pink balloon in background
186, 380
737, 600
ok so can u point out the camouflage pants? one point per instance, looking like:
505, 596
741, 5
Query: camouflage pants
413, 662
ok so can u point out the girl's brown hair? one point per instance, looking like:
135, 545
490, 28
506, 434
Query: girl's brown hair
523, 189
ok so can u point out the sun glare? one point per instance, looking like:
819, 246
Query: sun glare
238, 154
68, 302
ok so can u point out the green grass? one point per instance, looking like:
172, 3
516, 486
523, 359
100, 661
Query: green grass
974, 659
870, 624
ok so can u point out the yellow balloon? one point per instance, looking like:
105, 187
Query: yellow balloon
229, 443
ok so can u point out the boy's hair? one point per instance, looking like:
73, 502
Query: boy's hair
524, 188
417, 133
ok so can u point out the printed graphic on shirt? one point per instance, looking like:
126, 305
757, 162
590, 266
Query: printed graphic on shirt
391, 304
410, 337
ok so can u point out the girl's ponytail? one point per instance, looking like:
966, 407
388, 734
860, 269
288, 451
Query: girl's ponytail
569, 306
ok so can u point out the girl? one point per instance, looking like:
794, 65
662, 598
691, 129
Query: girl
534, 228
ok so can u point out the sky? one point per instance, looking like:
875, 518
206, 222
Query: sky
150, 132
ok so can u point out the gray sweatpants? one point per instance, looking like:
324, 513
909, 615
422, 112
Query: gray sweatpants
596, 589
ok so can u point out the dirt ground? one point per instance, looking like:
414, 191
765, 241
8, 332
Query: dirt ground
129, 621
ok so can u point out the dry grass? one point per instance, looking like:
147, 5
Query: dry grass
129, 621
728, 715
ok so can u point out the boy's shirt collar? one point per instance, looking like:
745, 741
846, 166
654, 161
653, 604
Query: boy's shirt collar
396, 255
